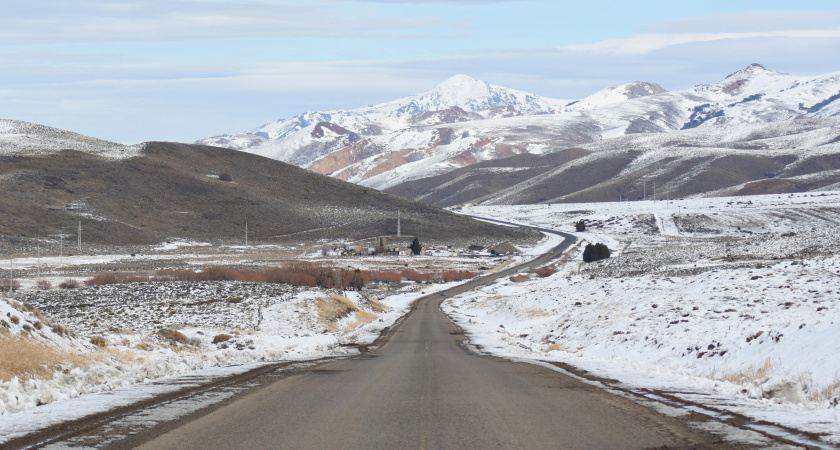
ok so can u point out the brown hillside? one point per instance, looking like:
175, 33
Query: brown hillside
174, 191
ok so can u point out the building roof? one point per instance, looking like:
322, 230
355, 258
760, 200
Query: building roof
504, 248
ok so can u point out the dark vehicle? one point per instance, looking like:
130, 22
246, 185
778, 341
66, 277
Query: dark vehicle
443, 294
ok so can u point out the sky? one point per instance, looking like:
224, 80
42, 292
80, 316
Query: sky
182, 70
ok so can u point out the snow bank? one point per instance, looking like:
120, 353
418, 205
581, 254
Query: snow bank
742, 313
280, 325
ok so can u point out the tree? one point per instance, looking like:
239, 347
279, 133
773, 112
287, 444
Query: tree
595, 252
415, 246
580, 225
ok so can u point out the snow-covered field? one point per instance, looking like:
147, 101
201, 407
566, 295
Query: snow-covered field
732, 302
156, 331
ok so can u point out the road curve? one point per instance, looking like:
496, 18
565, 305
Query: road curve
422, 389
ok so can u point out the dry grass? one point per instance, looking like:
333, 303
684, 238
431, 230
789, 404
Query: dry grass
26, 358
555, 347
501, 266
520, 278
334, 308
376, 305
829, 392
537, 312
362, 317
755, 374
545, 271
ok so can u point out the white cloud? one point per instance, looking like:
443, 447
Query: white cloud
638, 45
752, 21
160, 20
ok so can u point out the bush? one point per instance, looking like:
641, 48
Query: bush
69, 284
98, 341
174, 337
595, 252
545, 271
44, 285
520, 278
219, 338
580, 225
116, 278
9, 285
60, 330
225, 177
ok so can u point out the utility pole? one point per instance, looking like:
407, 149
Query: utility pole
39, 262
246, 234
80, 235
398, 223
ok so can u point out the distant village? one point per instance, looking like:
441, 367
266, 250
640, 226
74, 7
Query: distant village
384, 248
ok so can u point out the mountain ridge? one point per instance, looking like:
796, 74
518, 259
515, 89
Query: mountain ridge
385, 153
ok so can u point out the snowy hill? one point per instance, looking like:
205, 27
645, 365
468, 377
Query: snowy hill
292, 140
617, 94
464, 121
25, 138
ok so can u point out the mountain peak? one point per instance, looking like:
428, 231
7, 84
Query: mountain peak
751, 70
459, 85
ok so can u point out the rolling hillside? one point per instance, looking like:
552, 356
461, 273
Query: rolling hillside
159, 191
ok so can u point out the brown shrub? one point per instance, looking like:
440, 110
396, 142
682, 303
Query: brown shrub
175, 275
544, 271
172, 336
116, 278
99, 341
44, 285
7, 284
60, 330
520, 278
219, 338
413, 275
382, 277
456, 275
69, 284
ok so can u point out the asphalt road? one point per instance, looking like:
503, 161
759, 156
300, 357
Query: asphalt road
423, 389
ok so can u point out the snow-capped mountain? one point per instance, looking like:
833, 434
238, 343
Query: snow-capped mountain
617, 94
294, 140
466, 121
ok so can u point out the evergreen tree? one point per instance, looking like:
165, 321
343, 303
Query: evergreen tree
415, 246
580, 225
595, 252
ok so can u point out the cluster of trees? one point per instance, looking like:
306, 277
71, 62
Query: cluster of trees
595, 252
580, 225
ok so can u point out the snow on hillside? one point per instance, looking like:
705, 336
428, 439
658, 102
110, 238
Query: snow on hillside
731, 302
617, 94
460, 91
229, 323
376, 154
24, 138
